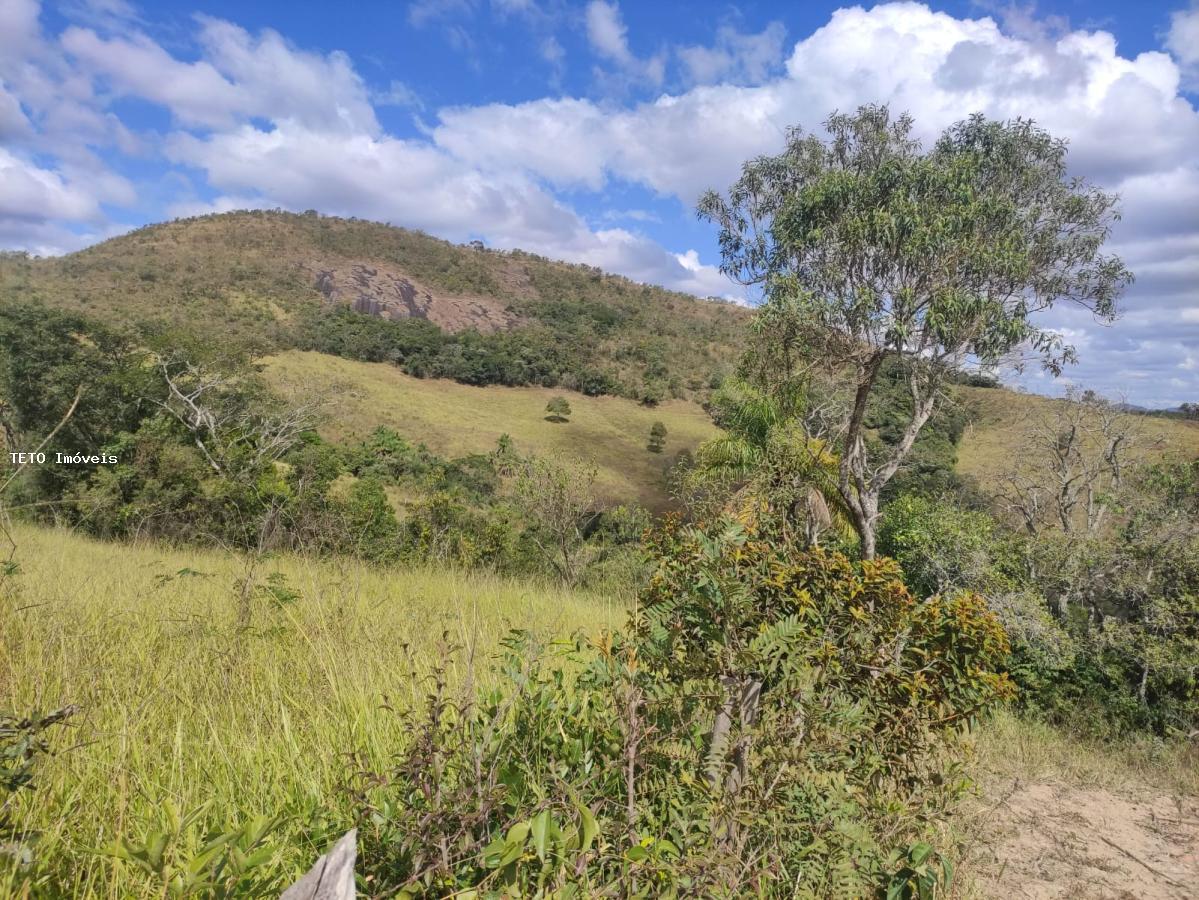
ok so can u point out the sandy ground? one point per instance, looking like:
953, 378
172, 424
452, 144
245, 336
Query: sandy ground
1038, 839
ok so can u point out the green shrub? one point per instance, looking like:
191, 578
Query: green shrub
943, 548
770, 725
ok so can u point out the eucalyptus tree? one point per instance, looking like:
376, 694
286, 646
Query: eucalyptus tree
874, 248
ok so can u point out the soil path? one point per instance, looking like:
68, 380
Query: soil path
1042, 840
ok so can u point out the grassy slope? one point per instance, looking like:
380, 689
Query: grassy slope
456, 419
175, 705
993, 442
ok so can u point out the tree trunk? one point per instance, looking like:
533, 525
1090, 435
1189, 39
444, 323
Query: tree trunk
860, 484
742, 698
332, 876
852, 483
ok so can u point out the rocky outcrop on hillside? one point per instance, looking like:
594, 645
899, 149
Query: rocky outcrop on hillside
379, 289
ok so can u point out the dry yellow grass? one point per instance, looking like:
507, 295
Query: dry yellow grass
176, 704
456, 419
994, 441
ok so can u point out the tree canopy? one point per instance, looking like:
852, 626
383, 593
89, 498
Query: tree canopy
872, 247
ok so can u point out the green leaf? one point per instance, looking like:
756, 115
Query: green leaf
919, 853
542, 823
518, 833
590, 828
155, 848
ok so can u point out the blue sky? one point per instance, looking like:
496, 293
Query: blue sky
586, 130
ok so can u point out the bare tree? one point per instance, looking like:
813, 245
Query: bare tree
559, 502
1072, 466
228, 418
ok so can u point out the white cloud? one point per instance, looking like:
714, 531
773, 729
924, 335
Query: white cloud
195, 92
1183, 38
398, 94
18, 27
13, 122
241, 76
101, 13
508, 7
1123, 116
31, 193
421, 12
737, 57
607, 33
553, 52
608, 36
279, 81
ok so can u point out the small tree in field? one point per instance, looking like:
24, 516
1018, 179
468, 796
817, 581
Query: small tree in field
871, 249
558, 502
657, 438
558, 410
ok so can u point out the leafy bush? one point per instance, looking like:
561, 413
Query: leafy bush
1135, 593
1102, 625
770, 725
182, 858
942, 548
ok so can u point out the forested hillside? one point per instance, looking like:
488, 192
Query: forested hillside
274, 280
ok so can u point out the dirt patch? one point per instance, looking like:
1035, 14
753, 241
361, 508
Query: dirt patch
378, 289
1047, 840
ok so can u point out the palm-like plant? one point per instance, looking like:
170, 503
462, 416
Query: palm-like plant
765, 466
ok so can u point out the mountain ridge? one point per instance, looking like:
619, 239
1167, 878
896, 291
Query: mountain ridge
270, 279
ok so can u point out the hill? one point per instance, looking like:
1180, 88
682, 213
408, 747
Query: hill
998, 419
461, 318
275, 281
456, 419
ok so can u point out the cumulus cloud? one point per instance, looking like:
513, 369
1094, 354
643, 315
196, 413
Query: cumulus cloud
240, 76
1123, 116
31, 193
737, 57
1183, 37
14, 125
607, 32
18, 27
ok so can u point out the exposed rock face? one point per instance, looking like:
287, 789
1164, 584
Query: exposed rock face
378, 289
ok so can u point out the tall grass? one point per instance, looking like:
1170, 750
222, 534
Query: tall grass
179, 704
1013, 746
